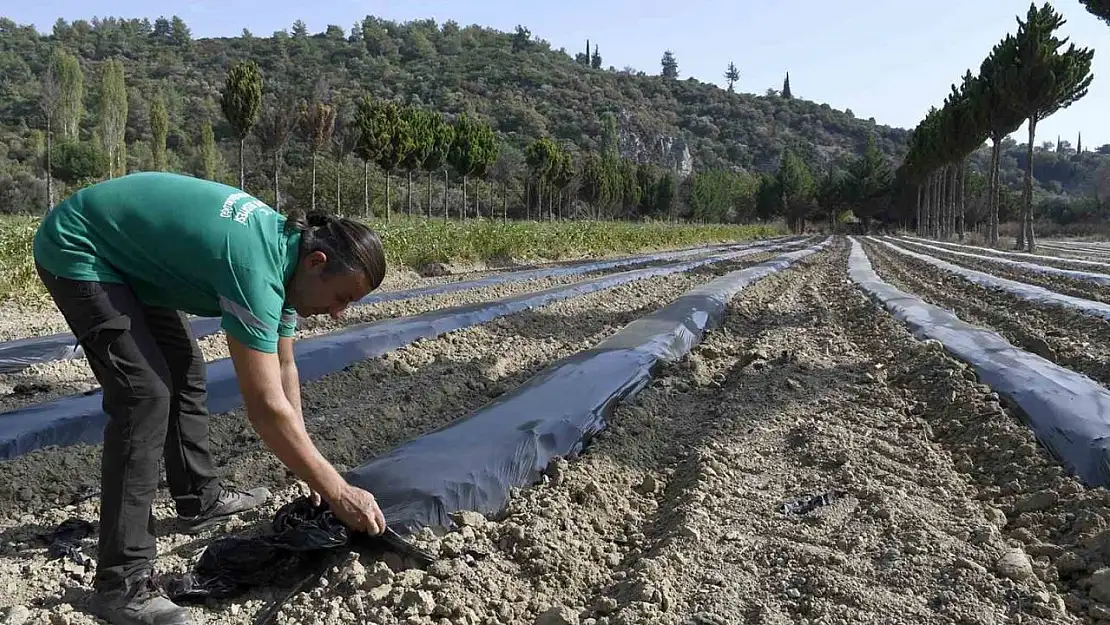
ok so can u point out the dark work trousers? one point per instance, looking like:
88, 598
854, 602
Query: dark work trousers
152, 373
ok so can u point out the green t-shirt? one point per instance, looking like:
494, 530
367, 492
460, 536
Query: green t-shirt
184, 243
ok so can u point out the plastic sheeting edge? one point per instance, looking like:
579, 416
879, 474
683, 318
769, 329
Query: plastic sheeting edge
1068, 412
473, 462
80, 418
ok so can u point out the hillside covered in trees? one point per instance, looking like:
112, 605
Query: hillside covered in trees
127, 95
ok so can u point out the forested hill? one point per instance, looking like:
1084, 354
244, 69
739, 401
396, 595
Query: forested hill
516, 82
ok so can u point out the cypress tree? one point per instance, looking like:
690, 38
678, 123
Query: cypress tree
242, 104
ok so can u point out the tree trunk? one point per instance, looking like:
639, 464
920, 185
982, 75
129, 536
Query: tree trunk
387, 177
314, 180
504, 202
409, 194
961, 228
338, 189
1027, 220
954, 171
366, 186
445, 196
462, 212
918, 224
242, 169
992, 193
49, 167
277, 191
429, 209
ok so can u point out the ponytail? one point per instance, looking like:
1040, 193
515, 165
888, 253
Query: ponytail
349, 245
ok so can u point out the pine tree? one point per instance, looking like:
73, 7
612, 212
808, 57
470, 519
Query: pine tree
241, 105
396, 147
420, 124
443, 136
1098, 8
595, 60
732, 75
1043, 81
1079, 144
670, 65
159, 128
373, 137
786, 87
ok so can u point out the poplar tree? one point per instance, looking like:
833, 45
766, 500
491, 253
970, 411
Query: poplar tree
113, 116
159, 128
209, 154
49, 101
71, 93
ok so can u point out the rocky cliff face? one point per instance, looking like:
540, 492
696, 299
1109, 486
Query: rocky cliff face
643, 146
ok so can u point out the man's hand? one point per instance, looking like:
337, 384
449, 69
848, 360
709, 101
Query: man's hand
358, 510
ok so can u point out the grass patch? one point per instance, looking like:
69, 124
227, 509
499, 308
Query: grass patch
417, 242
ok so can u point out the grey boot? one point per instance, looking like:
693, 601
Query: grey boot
140, 602
229, 503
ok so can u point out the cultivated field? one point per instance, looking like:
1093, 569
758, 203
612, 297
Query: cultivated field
957, 490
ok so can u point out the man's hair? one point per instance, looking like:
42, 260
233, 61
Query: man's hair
349, 245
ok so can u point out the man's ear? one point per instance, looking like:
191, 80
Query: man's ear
315, 260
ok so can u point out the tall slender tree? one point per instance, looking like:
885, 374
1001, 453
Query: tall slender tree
442, 136
208, 152
50, 98
71, 96
344, 139
242, 104
373, 137
159, 129
113, 116
420, 123
396, 148
274, 127
1001, 118
786, 87
1043, 81
318, 124
732, 74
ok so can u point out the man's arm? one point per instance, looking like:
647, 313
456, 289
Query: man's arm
290, 380
273, 409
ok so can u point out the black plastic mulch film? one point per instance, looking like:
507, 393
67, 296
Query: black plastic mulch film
21, 353
1068, 412
1099, 278
472, 463
80, 418
1030, 292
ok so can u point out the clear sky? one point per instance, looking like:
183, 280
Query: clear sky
887, 59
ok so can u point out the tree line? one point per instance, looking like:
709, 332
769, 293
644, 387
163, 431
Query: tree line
1025, 79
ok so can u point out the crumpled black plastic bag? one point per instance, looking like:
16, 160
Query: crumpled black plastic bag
303, 536
305, 541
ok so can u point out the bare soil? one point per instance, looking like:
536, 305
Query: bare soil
1067, 337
